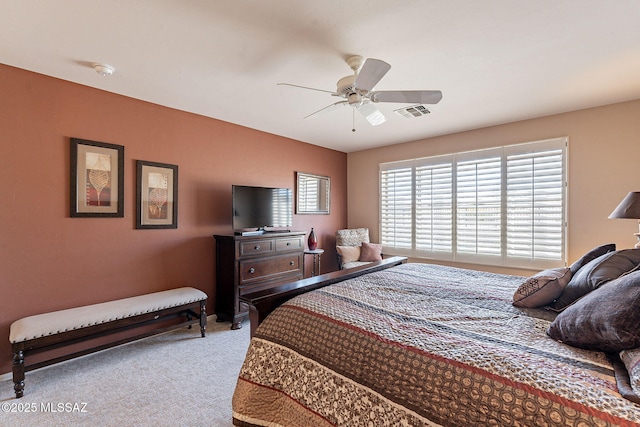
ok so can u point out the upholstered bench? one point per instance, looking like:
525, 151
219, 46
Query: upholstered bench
48, 331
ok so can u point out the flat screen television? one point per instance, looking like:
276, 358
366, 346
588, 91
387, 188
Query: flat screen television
260, 209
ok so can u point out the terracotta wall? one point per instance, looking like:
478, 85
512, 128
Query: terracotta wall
49, 261
604, 148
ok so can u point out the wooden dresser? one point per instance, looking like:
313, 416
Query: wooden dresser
246, 264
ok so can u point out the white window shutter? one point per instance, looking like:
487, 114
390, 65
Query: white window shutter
501, 206
479, 203
535, 202
396, 207
434, 207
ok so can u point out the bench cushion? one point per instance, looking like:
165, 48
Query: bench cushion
56, 322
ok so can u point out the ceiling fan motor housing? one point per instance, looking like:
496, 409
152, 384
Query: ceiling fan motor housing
354, 99
346, 86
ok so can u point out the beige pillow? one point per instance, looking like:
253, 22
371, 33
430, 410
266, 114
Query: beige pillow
542, 288
371, 252
348, 253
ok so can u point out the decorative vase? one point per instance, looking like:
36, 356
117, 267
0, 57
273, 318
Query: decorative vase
312, 241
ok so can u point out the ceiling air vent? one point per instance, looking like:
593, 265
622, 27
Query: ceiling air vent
413, 111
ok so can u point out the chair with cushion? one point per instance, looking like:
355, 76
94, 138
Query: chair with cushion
354, 248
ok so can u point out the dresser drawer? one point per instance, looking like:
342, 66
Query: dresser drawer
256, 247
269, 268
252, 263
290, 244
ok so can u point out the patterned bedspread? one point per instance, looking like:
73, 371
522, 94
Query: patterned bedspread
421, 345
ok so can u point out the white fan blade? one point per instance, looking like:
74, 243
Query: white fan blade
305, 87
328, 108
408, 96
372, 114
370, 74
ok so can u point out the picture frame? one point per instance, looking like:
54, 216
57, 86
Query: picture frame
97, 179
313, 194
156, 195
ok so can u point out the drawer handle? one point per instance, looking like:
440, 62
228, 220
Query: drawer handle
291, 263
252, 270
257, 248
288, 243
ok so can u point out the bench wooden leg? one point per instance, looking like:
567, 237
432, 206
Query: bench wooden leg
18, 373
203, 318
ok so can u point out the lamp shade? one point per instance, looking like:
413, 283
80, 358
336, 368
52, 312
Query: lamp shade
629, 207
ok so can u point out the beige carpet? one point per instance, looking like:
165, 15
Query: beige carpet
173, 379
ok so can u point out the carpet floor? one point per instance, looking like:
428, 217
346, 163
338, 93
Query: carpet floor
172, 379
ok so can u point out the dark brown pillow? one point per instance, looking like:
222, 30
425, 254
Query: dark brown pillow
606, 319
597, 272
591, 255
542, 288
371, 252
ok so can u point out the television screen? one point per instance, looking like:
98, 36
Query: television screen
260, 207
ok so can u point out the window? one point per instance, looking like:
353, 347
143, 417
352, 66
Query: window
501, 206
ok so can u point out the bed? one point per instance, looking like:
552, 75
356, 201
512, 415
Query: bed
422, 345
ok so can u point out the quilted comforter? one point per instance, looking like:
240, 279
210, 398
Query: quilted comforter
421, 345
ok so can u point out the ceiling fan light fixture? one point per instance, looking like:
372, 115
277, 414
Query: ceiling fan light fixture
371, 113
355, 99
103, 69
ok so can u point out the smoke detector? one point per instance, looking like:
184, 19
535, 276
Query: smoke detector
103, 69
413, 111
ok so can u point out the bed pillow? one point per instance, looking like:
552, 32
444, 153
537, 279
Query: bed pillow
595, 273
591, 255
606, 319
348, 253
631, 360
542, 288
371, 252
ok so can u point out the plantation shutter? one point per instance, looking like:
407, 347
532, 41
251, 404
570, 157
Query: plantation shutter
535, 201
501, 206
479, 204
396, 205
434, 207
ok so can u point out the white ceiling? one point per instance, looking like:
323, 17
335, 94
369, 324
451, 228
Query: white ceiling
495, 61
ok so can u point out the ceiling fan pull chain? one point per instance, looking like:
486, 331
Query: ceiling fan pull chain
353, 118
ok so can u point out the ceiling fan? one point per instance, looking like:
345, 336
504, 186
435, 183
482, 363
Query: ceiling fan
358, 90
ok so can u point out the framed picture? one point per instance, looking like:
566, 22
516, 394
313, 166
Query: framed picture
157, 195
313, 194
97, 179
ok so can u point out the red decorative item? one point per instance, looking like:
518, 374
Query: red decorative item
312, 241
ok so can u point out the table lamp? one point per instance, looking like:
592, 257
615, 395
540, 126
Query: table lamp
629, 208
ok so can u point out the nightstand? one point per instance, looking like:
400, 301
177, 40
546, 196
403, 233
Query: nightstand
316, 254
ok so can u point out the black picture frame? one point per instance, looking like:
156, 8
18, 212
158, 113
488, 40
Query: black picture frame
156, 195
97, 179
